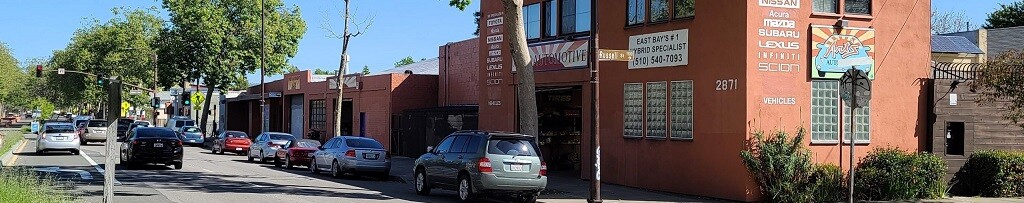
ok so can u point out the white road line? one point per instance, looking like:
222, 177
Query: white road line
97, 166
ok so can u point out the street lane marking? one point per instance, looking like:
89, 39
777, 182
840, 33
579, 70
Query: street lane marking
97, 166
14, 156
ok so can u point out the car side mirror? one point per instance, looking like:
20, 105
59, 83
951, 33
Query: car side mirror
430, 149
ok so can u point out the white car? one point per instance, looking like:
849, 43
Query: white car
266, 145
58, 137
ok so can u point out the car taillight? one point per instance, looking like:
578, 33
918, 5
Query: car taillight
350, 153
179, 143
43, 136
136, 142
484, 164
543, 169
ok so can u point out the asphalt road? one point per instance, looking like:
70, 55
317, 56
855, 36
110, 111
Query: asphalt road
210, 177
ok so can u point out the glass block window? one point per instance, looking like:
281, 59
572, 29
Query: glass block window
824, 112
633, 120
317, 115
682, 109
657, 107
826, 6
863, 123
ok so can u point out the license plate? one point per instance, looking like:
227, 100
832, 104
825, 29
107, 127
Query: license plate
158, 144
370, 156
238, 149
516, 167
60, 138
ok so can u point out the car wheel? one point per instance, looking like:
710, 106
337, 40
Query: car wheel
465, 189
177, 165
128, 164
249, 156
277, 162
220, 150
213, 149
40, 151
263, 158
75, 152
422, 187
530, 197
85, 142
288, 162
335, 169
312, 166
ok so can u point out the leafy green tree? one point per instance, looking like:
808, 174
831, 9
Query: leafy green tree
319, 71
13, 81
405, 61
221, 41
45, 108
366, 70
1011, 15
1000, 82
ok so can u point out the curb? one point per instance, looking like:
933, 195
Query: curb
7, 156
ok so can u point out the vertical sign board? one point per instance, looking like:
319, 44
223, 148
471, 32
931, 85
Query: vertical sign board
780, 55
495, 66
661, 49
854, 47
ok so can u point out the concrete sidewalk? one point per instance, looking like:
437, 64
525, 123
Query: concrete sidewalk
567, 187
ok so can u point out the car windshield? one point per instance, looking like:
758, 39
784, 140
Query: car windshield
236, 134
124, 121
275, 136
59, 129
191, 130
155, 133
307, 144
514, 147
97, 124
363, 143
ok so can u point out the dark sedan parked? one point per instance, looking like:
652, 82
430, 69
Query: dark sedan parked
151, 145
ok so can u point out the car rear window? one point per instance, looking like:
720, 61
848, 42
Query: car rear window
363, 143
191, 130
236, 134
125, 121
155, 133
513, 147
307, 144
59, 129
97, 124
281, 137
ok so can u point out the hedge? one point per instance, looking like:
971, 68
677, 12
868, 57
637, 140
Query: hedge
991, 173
893, 174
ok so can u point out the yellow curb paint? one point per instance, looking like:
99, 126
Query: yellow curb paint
14, 155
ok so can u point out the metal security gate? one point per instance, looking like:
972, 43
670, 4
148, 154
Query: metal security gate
297, 115
426, 127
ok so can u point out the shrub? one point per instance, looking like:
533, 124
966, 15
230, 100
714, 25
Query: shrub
893, 174
780, 165
991, 173
827, 183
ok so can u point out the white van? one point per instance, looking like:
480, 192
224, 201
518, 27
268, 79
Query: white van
175, 123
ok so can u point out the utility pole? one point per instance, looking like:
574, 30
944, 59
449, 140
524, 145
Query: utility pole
263, 68
156, 81
595, 136
113, 112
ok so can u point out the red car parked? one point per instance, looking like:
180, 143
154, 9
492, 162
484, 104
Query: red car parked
232, 141
296, 152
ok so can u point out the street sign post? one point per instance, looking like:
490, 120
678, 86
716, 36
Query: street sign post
855, 91
134, 92
60, 71
614, 55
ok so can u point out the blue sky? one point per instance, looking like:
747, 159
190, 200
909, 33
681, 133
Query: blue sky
35, 28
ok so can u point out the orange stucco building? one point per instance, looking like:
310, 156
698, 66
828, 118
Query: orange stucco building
705, 75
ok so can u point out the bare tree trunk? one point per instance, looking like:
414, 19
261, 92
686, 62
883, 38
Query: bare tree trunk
342, 68
527, 92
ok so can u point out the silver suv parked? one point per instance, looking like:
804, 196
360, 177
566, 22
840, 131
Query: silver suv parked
475, 163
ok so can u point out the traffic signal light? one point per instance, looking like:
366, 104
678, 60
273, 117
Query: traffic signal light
39, 71
186, 98
101, 79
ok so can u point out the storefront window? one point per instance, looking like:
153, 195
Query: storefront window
532, 19
659, 10
683, 8
863, 124
862, 7
826, 6
682, 109
635, 12
633, 119
657, 105
550, 18
824, 111
575, 16
317, 115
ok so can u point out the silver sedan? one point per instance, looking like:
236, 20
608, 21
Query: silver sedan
58, 137
347, 154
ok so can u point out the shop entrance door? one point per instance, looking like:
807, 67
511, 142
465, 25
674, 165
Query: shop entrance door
297, 115
560, 111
